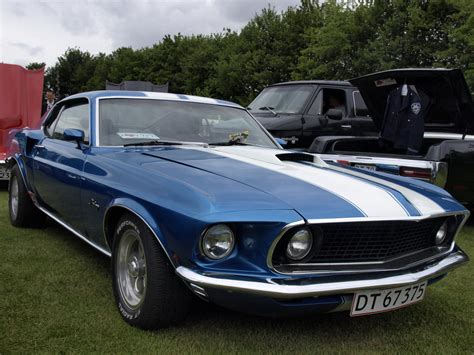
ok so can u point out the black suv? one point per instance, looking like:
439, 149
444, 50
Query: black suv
299, 111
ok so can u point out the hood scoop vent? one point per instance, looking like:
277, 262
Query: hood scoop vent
301, 157
297, 157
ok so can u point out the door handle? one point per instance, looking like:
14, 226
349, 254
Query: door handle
346, 126
39, 146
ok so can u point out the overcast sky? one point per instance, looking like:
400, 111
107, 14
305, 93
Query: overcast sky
41, 30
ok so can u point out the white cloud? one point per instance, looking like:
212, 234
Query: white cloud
40, 31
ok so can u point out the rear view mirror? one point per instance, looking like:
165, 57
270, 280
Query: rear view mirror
334, 114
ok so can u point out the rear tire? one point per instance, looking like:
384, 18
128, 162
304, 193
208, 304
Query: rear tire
147, 291
23, 212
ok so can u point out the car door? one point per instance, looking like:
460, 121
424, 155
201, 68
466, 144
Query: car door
58, 164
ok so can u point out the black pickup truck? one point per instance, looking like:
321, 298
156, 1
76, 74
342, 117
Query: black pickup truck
299, 111
340, 121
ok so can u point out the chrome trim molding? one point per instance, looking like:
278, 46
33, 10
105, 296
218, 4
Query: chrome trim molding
378, 219
371, 264
360, 219
274, 290
447, 136
279, 236
144, 221
72, 230
64, 103
374, 269
412, 163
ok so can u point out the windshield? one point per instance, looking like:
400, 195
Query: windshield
128, 121
282, 99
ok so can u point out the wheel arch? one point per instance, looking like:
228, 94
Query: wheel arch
16, 160
116, 210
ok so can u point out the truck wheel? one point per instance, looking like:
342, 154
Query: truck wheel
147, 291
23, 212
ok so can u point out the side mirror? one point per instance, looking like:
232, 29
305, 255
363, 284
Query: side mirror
280, 141
74, 135
334, 114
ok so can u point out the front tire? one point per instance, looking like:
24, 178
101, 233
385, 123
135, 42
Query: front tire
23, 212
147, 292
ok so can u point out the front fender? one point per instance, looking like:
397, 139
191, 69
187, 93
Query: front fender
179, 235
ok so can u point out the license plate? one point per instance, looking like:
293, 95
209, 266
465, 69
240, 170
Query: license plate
365, 167
4, 173
377, 301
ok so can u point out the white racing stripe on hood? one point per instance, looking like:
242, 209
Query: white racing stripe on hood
370, 199
423, 204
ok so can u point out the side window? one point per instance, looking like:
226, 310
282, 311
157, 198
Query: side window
359, 105
317, 105
76, 117
336, 99
49, 128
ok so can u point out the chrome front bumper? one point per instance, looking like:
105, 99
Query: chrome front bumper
273, 289
4, 174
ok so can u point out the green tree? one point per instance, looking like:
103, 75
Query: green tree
460, 48
337, 49
71, 73
35, 65
412, 33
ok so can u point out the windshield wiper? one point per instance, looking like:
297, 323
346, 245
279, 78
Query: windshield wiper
153, 142
235, 139
229, 142
268, 108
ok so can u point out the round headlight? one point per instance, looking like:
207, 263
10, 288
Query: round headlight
218, 241
441, 233
299, 244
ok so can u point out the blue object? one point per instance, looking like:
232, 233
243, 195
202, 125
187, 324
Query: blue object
280, 141
75, 135
264, 194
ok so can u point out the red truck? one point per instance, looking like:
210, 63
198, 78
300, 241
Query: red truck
20, 106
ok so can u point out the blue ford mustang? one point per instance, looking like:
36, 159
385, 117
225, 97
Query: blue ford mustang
191, 195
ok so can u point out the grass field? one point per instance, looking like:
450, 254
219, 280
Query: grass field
56, 296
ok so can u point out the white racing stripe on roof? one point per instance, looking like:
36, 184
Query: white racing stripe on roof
423, 204
371, 199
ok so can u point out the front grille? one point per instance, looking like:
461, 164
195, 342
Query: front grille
366, 241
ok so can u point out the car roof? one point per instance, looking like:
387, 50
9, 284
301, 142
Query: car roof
92, 95
314, 82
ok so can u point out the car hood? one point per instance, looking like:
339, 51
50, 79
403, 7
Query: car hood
450, 103
302, 182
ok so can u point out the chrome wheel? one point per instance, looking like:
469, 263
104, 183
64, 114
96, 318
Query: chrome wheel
14, 192
131, 269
